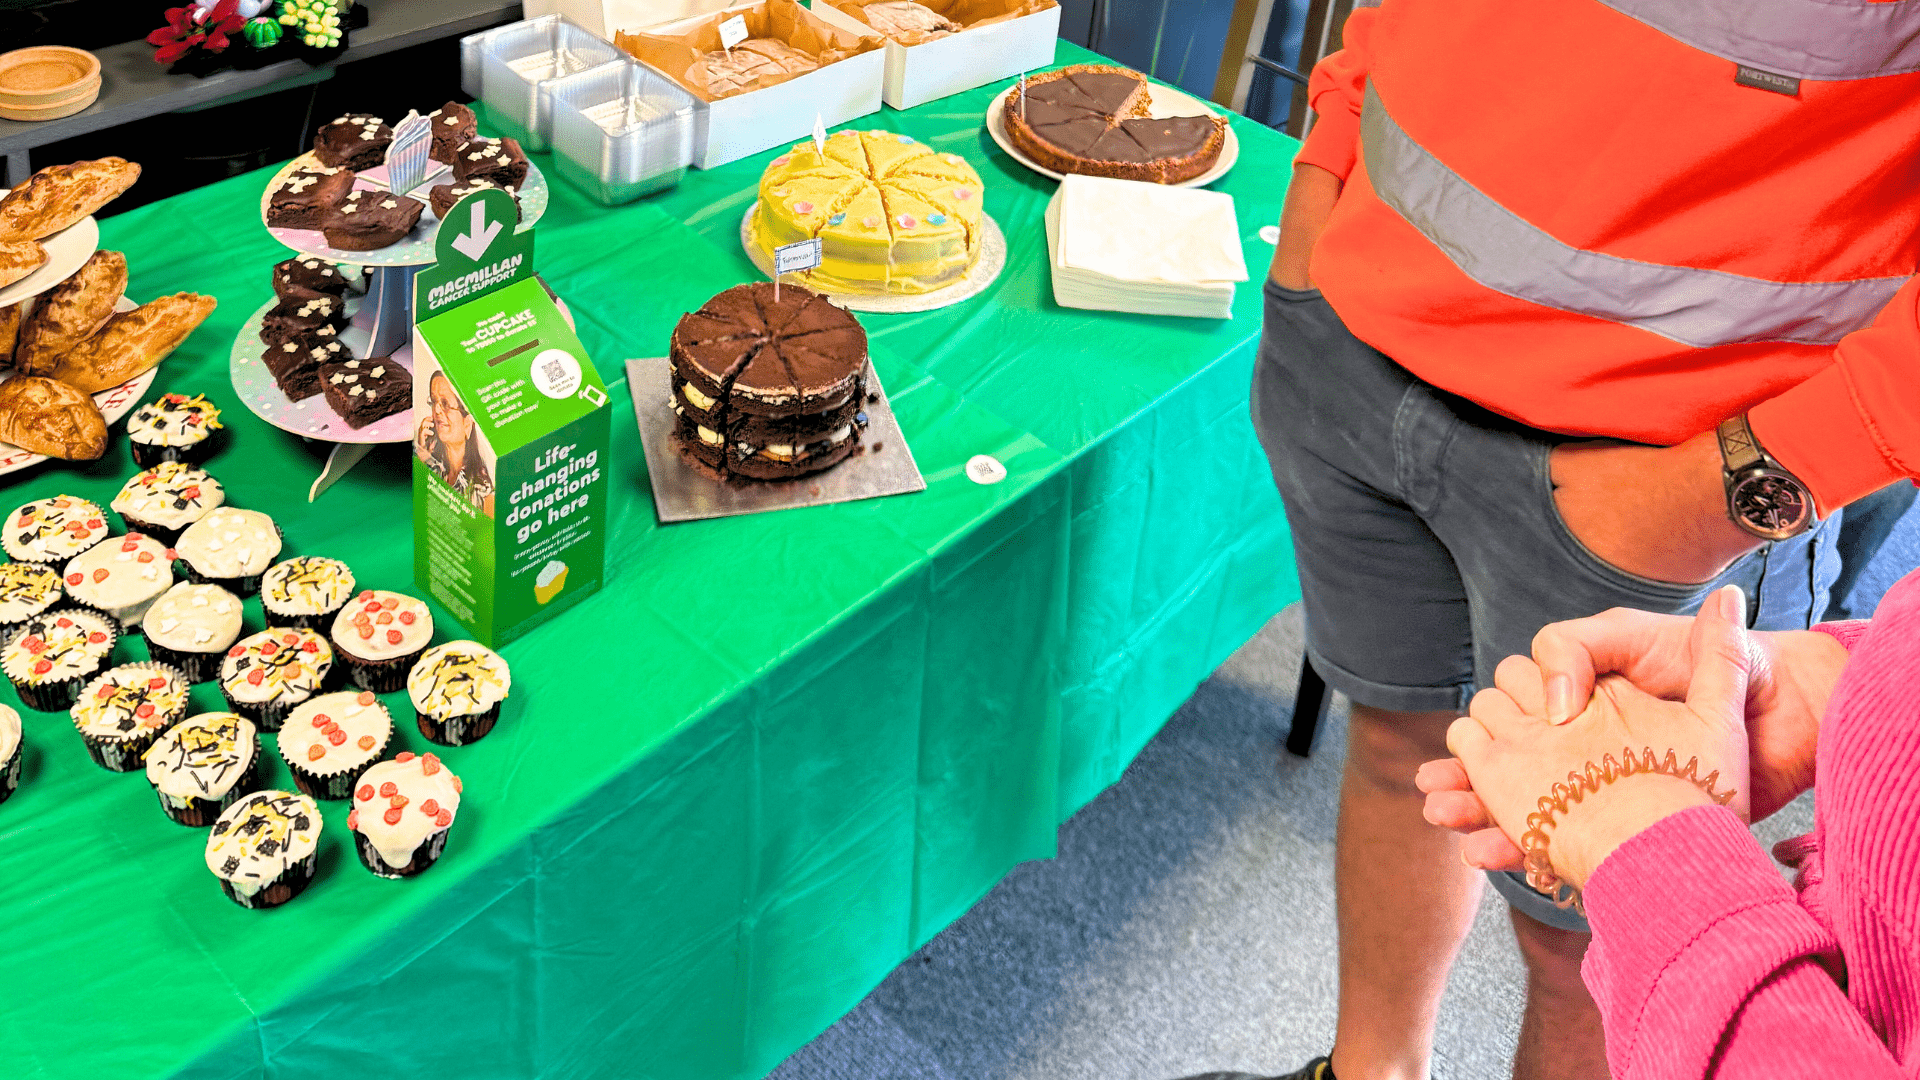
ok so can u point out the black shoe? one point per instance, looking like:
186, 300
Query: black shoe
1317, 1069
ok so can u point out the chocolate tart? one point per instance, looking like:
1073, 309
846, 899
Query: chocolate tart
1093, 119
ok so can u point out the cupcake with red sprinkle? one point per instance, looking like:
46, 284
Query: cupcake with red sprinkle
329, 741
267, 675
50, 656
401, 812
379, 635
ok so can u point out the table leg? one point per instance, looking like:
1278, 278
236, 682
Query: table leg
1309, 707
391, 295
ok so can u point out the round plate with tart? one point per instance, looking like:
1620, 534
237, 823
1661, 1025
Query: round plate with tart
1166, 102
115, 402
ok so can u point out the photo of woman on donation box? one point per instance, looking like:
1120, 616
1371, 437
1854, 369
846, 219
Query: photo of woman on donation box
446, 441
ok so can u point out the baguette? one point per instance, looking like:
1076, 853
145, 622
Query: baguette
9, 332
51, 418
132, 341
70, 313
18, 258
60, 195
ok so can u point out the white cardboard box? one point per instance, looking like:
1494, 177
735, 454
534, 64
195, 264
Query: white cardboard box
917, 74
734, 127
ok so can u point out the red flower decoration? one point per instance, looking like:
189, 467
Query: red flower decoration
188, 29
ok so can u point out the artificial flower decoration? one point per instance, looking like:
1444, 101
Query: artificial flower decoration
194, 29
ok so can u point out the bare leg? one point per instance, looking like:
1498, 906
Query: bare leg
1560, 1036
1405, 899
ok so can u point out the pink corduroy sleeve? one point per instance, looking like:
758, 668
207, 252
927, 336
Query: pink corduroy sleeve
1704, 964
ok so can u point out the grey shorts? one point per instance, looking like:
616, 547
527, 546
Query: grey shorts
1428, 544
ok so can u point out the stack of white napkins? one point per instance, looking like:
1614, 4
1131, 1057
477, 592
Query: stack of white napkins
1121, 245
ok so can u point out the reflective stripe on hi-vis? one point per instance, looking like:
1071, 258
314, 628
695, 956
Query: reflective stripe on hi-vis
1808, 39
1502, 251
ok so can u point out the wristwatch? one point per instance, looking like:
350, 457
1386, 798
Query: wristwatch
1762, 496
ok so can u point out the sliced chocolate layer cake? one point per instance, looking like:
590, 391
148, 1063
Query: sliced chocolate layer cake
1093, 119
768, 389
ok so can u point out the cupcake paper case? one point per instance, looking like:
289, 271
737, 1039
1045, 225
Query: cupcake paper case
174, 427
230, 548
379, 635
456, 690
10, 754
53, 530
124, 709
401, 812
191, 627
164, 500
305, 591
202, 765
264, 848
122, 577
267, 675
331, 739
26, 590
51, 655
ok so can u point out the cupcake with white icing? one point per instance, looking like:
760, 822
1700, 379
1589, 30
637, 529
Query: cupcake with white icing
267, 675
123, 710
401, 812
164, 500
230, 548
306, 591
10, 754
329, 741
50, 656
121, 577
202, 765
26, 590
379, 635
456, 690
191, 627
173, 427
53, 530
264, 848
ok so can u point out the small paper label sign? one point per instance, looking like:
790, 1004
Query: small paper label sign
793, 258
733, 32
819, 135
984, 469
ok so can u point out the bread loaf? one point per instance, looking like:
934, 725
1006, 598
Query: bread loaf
70, 312
59, 195
18, 258
132, 341
51, 418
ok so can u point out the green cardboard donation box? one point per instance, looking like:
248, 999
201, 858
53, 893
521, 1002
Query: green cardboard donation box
510, 511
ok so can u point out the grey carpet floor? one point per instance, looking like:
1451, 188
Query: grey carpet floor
1187, 923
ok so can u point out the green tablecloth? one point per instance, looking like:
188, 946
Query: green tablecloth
776, 754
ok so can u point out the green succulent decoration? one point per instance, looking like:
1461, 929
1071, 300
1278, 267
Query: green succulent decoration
262, 33
316, 21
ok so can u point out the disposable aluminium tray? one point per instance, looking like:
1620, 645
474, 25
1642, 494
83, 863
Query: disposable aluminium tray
510, 69
621, 131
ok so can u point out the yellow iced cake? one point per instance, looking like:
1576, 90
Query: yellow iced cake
893, 215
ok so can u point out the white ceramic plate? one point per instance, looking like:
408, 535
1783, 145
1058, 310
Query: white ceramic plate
67, 250
1166, 102
114, 403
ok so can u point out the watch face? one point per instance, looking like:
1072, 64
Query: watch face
1772, 504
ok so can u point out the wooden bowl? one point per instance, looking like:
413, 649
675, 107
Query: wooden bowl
46, 75
56, 110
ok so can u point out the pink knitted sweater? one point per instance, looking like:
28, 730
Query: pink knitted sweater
1705, 962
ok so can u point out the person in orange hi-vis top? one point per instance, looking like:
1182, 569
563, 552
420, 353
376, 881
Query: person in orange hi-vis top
1577, 304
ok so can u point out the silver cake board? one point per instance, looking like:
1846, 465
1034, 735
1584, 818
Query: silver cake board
883, 465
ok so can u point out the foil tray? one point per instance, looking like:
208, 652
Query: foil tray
882, 466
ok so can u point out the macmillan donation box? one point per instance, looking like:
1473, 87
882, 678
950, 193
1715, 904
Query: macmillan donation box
510, 510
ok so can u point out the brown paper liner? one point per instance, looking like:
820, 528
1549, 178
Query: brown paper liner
782, 20
969, 14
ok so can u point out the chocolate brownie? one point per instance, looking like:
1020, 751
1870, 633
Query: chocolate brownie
363, 391
303, 313
453, 128
307, 272
295, 364
444, 196
1093, 119
369, 220
357, 141
498, 160
307, 196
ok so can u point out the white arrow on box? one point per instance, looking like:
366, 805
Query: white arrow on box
474, 242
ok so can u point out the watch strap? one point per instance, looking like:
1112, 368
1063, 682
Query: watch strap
1739, 450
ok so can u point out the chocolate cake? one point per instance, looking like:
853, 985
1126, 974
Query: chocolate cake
357, 141
307, 272
453, 127
498, 160
444, 196
1093, 119
369, 220
363, 391
766, 389
303, 313
295, 364
307, 196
